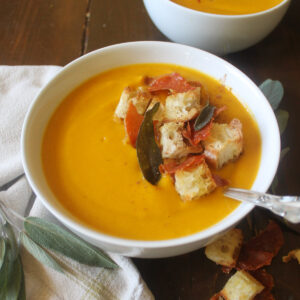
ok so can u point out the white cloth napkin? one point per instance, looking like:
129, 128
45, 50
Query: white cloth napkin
18, 87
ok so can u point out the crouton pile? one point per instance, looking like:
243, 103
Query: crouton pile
250, 281
189, 155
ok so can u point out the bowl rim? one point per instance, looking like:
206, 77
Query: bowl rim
241, 16
88, 232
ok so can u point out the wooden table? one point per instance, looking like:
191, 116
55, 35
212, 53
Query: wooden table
56, 32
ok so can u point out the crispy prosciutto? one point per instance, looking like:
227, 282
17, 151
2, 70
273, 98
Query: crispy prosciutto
173, 82
172, 166
133, 121
260, 250
267, 281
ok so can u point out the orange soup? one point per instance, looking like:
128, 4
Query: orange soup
229, 7
95, 175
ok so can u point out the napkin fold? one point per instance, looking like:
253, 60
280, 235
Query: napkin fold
19, 85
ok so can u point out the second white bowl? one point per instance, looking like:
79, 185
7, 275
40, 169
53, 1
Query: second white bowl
219, 34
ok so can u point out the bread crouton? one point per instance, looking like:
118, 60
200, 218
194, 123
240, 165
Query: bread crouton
241, 286
139, 97
171, 140
194, 183
225, 250
224, 144
292, 254
183, 106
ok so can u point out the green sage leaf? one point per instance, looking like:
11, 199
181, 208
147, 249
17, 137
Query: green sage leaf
148, 153
3, 266
53, 237
282, 119
6, 271
284, 152
2, 252
204, 117
15, 280
274, 91
274, 185
9, 233
39, 253
22, 292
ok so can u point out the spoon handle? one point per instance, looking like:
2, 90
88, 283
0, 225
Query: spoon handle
287, 207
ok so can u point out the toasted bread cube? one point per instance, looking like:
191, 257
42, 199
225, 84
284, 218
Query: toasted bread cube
226, 249
294, 254
224, 144
183, 106
195, 182
159, 115
241, 286
171, 140
139, 97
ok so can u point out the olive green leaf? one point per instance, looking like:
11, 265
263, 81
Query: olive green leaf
275, 182
284, 152
204, 117
15, 280
273, 91
6, 270
3, 265
53, 237
10, 235
148, 153
39, 253
22, 292
282, 119
2, 252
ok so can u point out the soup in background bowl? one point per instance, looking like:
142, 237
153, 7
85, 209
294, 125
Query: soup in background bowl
223, 32
69, 132
229, 7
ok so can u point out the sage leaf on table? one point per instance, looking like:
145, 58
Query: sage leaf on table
39, 253
55, 238
6, 271
2, 252
22, 292
3, 265
282, 119
273, 91
15, 281
148, 153
204, 117
8, 232
284, 152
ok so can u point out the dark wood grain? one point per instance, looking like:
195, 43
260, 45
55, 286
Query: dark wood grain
41, 31
119, 21
56, 32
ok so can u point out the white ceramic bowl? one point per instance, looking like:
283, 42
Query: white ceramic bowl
146, 52
219, 34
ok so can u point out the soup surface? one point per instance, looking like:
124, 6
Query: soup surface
229, 7
95, 174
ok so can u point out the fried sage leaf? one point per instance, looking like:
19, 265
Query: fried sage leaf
39, 253
273, 90
148, 153
53, 237
204, 117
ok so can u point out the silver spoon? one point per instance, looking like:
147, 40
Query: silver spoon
287, 207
